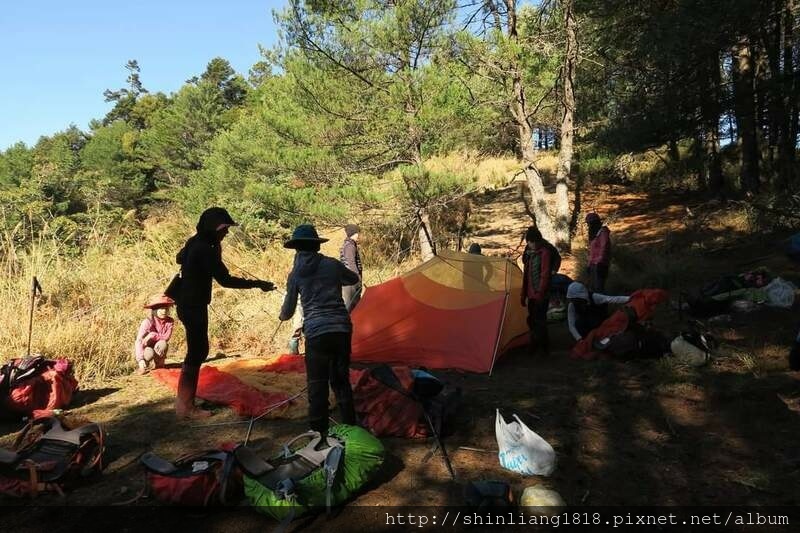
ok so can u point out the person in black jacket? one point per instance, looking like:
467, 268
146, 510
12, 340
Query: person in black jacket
201, 260
318, 280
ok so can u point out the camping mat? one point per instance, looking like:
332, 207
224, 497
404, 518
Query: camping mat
251, 386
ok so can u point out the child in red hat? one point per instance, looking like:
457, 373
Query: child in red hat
152, 339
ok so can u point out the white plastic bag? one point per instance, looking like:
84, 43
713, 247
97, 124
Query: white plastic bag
780, 293
688, 353
522, 450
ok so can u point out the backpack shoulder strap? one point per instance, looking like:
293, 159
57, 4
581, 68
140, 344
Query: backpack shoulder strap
332, 462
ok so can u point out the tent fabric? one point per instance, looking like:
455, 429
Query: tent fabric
220, 387
251, 386
643, 302
456, 311
385, 411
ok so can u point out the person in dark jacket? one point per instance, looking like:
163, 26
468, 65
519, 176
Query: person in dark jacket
350, 257
535, 295
318, 280
201, 260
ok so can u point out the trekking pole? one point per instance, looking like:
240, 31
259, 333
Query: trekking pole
272, 339
249, 430
35, 287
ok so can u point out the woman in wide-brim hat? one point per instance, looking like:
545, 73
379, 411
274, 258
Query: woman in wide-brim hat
155, 331
318, 281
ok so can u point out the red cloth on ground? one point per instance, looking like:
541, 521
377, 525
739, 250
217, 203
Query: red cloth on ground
226, 389
644, 302
383, 410
286, 363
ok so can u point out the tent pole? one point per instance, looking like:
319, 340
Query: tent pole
502, 322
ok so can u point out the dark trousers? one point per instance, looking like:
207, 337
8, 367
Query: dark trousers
195, 320
328, 361
598, 274
537, 324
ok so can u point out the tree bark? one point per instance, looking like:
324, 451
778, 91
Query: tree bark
788, 137
562, 235
746, 117
520, 112
426, 246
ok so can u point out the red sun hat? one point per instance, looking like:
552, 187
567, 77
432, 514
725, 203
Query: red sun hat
159, 301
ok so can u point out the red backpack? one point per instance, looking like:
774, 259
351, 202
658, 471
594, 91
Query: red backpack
199, 479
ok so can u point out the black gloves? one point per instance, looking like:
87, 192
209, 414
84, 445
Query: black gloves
266, 286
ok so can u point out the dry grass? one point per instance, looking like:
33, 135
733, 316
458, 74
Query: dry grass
488, 171
92, 303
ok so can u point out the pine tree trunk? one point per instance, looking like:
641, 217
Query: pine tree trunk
562, 235
426, 247
746, 117
788, 137
520, 113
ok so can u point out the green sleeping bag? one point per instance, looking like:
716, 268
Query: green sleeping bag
308, 485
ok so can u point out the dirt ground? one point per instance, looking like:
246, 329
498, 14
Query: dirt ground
633, 433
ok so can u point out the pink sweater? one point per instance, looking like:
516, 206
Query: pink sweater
151, 331
600, 248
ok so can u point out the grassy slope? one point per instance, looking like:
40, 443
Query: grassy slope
624, 433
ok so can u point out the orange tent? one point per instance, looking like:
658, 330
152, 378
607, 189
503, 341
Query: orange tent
458, 311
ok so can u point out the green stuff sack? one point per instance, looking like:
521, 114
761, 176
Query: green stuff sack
308, 483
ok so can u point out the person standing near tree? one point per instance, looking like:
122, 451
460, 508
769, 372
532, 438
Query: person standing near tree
350, 257
201, 261
318, 280
537, 271
599, 252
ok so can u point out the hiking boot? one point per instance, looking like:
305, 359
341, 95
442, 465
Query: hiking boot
187, 387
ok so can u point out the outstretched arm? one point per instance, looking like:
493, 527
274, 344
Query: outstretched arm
224, 278
605, 299
290, 301
571, 319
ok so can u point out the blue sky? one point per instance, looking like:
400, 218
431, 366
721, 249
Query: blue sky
57, 58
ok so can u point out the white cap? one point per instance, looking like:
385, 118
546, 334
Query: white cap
577, 290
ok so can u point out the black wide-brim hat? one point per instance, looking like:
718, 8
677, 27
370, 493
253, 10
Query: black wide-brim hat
304, 233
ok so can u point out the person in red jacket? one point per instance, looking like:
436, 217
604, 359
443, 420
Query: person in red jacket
599, 252
536, 289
